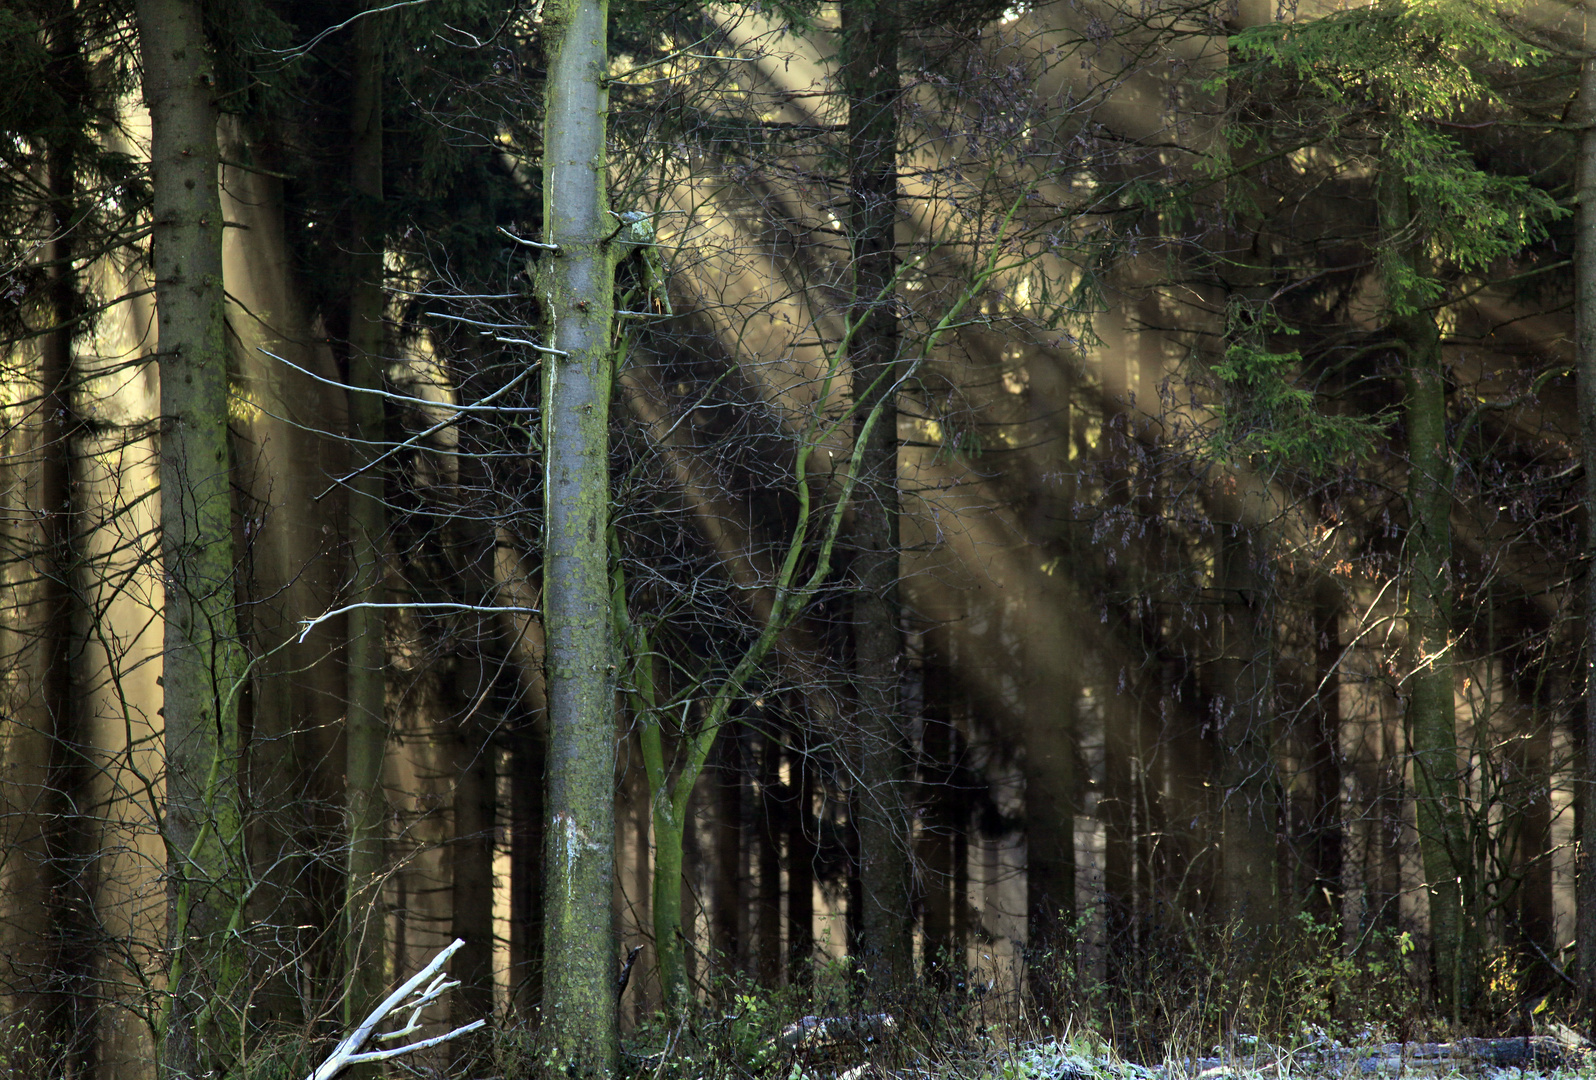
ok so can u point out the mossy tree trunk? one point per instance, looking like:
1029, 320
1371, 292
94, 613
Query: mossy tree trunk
366, 727
870, 43
576, 289
1427, 548
203, 665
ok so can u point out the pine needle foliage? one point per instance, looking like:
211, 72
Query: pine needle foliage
1266, 416
1399, 77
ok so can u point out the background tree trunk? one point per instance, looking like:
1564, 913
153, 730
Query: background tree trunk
801, 844
1250, 810
1585, 329
366, 726
69, 829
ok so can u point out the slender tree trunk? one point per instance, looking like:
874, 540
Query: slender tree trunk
869, 39
726, 938
471, 858
1049, 772
481, 692
203, 666
69, 840
1249, 804
940, 809
1430, 712
800, 865
1324, 839
527, 754
366, 728
1249, 877
576, 288
1585, 328
768, 847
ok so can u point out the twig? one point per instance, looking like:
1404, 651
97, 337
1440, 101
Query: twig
529, 243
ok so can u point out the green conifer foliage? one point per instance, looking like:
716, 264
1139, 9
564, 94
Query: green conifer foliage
1385, 87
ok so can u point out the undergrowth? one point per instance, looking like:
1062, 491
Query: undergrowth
1151, 1002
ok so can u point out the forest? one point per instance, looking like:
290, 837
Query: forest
792, 539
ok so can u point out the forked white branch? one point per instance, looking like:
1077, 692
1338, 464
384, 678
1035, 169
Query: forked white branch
409, 996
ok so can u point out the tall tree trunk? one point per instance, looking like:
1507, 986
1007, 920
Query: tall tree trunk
801, 844
576, 288
1585, 328
941, 804
1324, 839
1049, 772
471, 848
69, 840
1430, 712
481, 694
527, 755
1249, 804
1249, 876
366, 727
203, 666
768, 861
726, 934
870, 77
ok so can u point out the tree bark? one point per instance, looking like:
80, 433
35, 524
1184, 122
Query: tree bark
1249, 812
1585, 329
768, 847
203, 668
1324, 841
366, 726
527, 755
870, 77
69, 841
576, 289
1430, 709
943, 805
726, 934
471, 857
801, 845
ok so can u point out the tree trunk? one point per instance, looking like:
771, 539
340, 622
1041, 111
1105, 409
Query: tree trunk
669, 943
69, 840
1249, 875
941, 804
471, 858
1585, 328
870, 79
768, 859
576, 289
1049, 772
203, 666
527, 754
1323, 839
366, 728
1430, 711
801, 842
726, 934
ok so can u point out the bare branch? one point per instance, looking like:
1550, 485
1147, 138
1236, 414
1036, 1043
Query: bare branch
348, 1052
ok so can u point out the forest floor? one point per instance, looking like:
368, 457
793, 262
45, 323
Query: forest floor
1541, 1056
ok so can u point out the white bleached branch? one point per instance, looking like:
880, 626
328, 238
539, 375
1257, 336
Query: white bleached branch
409, 996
